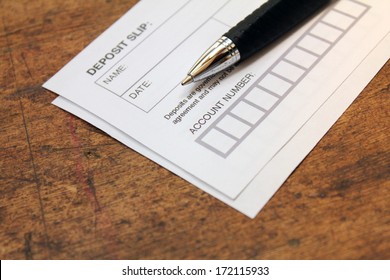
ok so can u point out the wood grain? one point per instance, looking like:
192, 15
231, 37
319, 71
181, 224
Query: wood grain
69, 191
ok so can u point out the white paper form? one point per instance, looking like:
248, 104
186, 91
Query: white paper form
272, 176
271, 95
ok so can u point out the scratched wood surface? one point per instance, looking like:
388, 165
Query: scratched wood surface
69, 191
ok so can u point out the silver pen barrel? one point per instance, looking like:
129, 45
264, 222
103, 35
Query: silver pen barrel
222, 54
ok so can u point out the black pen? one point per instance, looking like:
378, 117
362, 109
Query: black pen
265, 25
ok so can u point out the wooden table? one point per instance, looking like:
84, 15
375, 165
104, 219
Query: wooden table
69, 191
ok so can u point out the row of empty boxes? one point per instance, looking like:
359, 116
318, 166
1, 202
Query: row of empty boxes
255, 104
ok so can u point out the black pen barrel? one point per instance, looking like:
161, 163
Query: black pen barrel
269, 22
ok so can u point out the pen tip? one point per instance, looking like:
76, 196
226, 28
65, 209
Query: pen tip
186, 80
